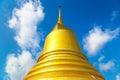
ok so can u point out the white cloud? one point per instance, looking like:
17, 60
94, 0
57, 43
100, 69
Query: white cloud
101, 58
18, 66
24, 21
115, 14
106, 66
118, 77
97, 38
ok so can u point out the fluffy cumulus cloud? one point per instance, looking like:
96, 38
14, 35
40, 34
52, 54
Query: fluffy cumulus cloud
118, 77
24, 22
97, 38
18, 66
115, 15
101, 58
106, 66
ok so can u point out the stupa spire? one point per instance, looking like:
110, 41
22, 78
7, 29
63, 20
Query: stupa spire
59, 7
59, 15
59, 24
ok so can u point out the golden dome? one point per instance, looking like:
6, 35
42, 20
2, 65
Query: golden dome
62, 58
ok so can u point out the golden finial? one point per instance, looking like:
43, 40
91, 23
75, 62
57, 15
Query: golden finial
59, 16
59, 7
59, 24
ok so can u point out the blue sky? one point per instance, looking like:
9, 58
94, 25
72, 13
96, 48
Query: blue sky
24, 24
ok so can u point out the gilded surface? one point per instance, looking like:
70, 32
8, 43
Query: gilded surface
62, 59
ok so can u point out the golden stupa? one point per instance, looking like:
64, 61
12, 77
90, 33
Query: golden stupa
62, 58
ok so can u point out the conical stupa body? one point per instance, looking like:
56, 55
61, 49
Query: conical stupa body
62, 59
